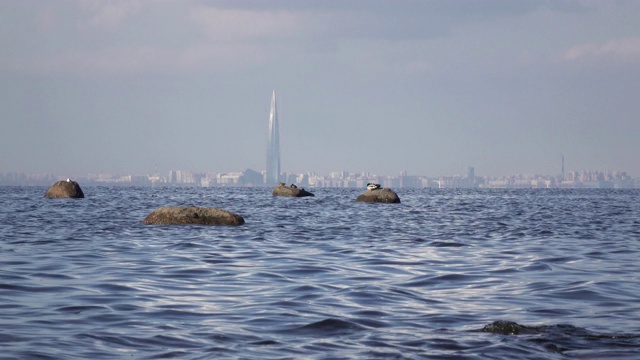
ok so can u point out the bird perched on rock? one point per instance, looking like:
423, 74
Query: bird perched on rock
373, 186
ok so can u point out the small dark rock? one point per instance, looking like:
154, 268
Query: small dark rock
291, 191
508, 328
64, 189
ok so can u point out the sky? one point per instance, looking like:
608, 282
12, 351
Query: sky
426, 87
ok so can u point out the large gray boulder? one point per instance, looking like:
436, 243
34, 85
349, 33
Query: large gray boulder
291, 191
380, 195
191, 215
64, 189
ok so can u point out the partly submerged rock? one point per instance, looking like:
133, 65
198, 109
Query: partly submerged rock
508, 328
191, 215
380, 195
291, 191
64, 189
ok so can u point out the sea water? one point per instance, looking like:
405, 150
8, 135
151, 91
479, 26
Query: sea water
321, 277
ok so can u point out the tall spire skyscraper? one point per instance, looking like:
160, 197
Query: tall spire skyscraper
273, 150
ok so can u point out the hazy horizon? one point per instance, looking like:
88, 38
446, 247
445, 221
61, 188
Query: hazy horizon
427, 87
460, 173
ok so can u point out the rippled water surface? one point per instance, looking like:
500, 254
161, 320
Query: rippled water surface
322, 277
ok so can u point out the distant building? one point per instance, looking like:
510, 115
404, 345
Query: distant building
251, 178
409, 181
229, 179
273, 147
302, 180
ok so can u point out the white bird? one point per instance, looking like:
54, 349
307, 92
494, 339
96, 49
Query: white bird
68, 180
373, 186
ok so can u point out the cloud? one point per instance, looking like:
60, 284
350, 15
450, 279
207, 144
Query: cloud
128, 37
621, 50
108, 15
247, 25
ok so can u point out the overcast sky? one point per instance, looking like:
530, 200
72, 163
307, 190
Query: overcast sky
427, 87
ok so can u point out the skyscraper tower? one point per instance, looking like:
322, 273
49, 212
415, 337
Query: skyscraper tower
273, 149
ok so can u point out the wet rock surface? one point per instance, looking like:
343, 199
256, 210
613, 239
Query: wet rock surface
191, 215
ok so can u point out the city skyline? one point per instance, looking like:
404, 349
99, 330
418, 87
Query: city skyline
249, 177
272, 175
